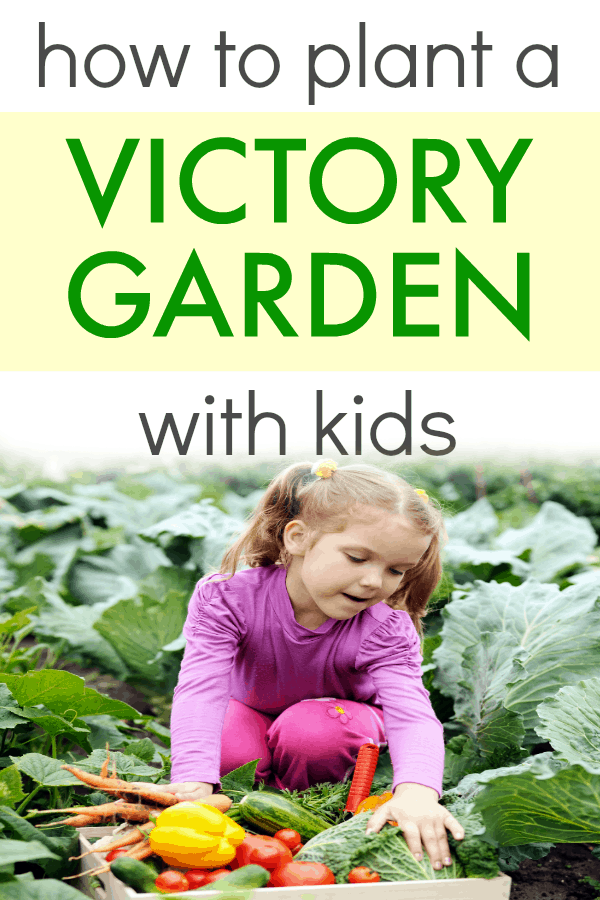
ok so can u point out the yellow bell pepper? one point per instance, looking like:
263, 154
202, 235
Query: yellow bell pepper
195, 834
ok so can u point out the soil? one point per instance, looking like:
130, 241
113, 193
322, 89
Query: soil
556, 876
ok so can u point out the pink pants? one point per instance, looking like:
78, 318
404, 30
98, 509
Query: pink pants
310, 742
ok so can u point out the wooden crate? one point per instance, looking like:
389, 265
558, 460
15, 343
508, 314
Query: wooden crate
448, 889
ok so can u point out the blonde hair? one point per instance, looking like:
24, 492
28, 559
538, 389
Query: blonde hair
325, 505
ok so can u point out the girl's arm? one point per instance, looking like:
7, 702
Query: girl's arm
214, 628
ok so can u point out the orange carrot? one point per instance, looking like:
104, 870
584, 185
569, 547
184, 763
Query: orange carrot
130, 811
104, 769
117, 786
75, 821
219, 801
140, 851
362, 779
133, 836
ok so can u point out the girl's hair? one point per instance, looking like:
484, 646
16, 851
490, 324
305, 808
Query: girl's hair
326, 505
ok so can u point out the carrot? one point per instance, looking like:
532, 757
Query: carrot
117, 786
362, 779
140, 851
130, 811
132, 836
104, 769
75, 821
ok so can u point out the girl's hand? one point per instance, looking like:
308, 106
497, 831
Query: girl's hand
183, 790
423, 821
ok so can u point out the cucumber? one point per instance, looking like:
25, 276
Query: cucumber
135, 874
272, 812
244, 877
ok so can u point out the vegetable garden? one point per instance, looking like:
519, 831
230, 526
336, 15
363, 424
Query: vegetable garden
96, 573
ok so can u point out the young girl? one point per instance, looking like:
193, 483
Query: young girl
314, 650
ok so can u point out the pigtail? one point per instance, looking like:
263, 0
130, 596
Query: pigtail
418, 585
261, 542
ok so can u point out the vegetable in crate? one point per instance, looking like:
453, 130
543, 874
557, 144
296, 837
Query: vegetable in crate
362, 875
346, 846
196, 835
170, 882
263, 851
272, 812
296, 874
246, 877
135, 874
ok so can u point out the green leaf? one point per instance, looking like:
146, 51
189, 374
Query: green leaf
571, 721
461, 758
114, 575
104, 730
557, 538
488, 667
11, 787
53, 724
560, 630
125, 765
44, 770
125, 626
40, 522
167, 578
62, 842
143, 749
153, 727
345, 846
543, 806
45, 889
193, 522
61, 547
240, 780
12, 624
510, 858
75, 625
23, 851
476, 525
63, 692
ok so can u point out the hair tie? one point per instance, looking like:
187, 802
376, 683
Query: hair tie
423, 495
324, 468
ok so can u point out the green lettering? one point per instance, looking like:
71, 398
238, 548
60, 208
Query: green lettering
186, 181
434, 183
342, 215
467, 273
317, 278
499, 177
193, 271
140, 301
402, 290
267, 299
280, 148
102, 202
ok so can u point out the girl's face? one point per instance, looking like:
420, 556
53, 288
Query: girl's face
346, 571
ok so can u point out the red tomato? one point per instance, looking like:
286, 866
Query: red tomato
294, 874
362, 875
262, 850
297, 849
214, 875
289, 837
171, 882
196, 877
120, 851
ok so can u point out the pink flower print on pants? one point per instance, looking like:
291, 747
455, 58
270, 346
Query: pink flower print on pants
339, 712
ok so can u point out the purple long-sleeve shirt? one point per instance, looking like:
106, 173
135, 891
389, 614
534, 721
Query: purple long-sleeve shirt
244, 642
